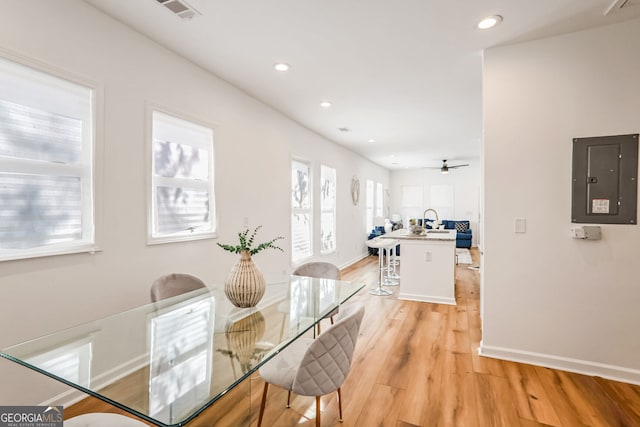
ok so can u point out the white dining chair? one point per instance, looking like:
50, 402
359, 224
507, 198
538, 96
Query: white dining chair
174, 284
316, 367
103, 419
320, 270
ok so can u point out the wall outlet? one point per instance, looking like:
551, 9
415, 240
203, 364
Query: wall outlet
427, 256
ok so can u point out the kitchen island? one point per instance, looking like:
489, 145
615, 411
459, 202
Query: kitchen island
427, 269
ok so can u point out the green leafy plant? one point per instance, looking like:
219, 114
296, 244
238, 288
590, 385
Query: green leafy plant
246, 243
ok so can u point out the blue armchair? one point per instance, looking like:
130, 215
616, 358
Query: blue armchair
463, 236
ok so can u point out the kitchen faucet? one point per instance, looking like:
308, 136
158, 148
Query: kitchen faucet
424, 218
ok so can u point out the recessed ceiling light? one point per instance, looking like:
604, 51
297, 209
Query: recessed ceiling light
325, 104
489, 22
371, 140
281, 66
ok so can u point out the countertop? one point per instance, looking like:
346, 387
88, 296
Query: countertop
405, 234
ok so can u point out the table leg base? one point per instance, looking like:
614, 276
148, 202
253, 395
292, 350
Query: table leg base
380, 292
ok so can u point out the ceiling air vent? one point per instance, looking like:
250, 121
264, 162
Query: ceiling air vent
618, 5
179, 8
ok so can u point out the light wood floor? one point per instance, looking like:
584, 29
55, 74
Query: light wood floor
416, 364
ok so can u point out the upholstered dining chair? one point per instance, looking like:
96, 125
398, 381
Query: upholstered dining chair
320, 270
103, 419
316, 367
174, 284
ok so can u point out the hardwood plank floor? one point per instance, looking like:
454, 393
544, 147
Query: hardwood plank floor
417, 364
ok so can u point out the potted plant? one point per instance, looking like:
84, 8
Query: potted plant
245, 284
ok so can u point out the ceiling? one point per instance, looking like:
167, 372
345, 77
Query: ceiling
406, 73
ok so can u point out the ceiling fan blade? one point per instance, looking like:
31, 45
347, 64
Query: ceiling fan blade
458, 166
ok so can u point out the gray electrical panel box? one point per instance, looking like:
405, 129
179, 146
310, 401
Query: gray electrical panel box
605, 180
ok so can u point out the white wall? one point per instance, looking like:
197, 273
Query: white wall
253, 145
466, 188
549, 299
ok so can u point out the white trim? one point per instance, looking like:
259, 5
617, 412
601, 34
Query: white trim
70, 248
427, 298
153, 181
293, 210
333, 210
353, 260
91, 161
612, 372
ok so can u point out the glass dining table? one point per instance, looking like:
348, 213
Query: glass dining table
169, 361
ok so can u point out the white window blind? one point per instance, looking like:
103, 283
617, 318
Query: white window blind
379, 201
46, 164
301, 225
182, 197
370, 205
328, 210
442, 200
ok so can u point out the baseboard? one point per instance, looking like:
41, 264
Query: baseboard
353, 261
612, 372
426, 298
73, 395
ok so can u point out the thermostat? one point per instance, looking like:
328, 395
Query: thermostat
586, 232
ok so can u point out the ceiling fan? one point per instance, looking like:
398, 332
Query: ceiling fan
445, 167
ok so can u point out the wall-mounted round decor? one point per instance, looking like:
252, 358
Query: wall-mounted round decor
355, 190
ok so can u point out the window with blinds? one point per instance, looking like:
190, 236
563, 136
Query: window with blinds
370, 205
46, 164
301, 218
328, 210
182, 197
379, 201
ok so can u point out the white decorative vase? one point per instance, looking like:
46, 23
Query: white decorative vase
245, 284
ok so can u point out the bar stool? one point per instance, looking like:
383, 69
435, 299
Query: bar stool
391, 278
379, 244
393, 274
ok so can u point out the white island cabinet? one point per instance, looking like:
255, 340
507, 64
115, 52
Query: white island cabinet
427, 269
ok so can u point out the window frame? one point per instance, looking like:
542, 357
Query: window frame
294, 210
332, 210
89, 170
379, 204
152, 180
370, 205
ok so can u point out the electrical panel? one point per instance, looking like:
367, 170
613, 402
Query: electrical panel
605, 180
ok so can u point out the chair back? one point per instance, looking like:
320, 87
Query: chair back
319, 270
173, 285
327, 361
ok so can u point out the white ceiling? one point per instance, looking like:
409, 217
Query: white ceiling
407, 73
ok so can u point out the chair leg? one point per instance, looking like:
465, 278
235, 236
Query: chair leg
262, 404
318, 327
317, 411
340, 404
289, 399
331, 318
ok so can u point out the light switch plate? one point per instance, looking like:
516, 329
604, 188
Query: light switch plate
519, 225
